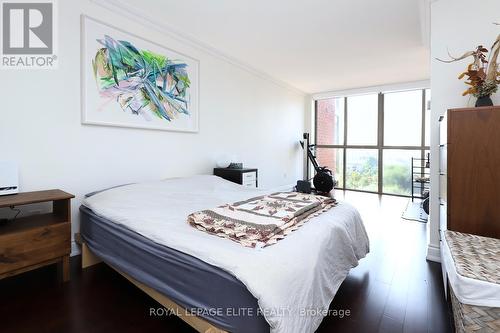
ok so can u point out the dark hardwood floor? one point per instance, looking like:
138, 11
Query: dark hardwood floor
394, 289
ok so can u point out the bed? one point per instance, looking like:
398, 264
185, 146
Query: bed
141, 231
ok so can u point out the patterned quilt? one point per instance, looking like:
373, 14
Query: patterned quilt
263, 220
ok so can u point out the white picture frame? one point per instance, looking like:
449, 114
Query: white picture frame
131, 102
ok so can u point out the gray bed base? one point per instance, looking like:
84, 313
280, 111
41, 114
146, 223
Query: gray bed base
186, 280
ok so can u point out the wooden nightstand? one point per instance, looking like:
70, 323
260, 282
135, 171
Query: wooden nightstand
38, 240
245, 177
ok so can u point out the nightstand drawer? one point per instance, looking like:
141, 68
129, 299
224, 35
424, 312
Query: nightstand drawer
33, 246
249, 176
249, 183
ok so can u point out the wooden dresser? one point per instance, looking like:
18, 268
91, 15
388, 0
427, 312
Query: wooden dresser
37, 240
470, 171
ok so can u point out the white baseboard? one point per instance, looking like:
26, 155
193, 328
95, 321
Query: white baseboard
433, 253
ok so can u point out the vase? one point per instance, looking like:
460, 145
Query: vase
484, 101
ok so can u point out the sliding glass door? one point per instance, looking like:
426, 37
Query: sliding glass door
368, 140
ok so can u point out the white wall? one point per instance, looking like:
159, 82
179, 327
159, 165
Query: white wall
241, 114
457, 25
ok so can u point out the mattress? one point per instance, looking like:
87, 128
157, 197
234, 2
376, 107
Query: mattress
293, 281
473, 267
190, 282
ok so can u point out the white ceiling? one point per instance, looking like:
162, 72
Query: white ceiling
313, 45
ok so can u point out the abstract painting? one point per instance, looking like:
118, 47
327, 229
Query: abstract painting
131, 82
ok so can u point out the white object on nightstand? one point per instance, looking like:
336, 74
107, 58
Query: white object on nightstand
9, 178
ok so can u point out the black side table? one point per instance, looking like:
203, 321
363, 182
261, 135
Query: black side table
245, 177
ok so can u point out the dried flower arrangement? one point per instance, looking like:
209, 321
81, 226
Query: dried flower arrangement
482, 75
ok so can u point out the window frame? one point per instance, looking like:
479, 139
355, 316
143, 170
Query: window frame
380, 146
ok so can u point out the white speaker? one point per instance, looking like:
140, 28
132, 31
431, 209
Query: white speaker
9, 178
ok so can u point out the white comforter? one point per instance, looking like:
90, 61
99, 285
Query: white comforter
294, 280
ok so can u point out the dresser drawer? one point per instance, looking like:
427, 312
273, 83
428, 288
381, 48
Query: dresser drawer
443, 156
33, 246
443, 188
443, 218
443, 130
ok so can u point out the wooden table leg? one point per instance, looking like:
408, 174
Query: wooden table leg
65, 268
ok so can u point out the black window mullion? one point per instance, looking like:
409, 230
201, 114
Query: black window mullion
424, 108
380, 141
422, 142
344, 157
345, 121
315, 137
